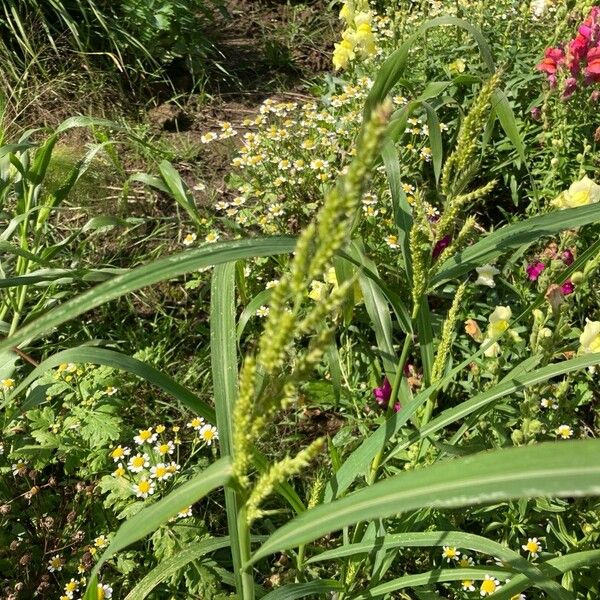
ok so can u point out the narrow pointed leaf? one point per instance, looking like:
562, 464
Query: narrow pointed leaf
165, 268
550, 469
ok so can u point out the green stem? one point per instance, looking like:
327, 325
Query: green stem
244, 578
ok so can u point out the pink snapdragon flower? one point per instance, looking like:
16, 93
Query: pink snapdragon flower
383, 394
534, 270
568, 287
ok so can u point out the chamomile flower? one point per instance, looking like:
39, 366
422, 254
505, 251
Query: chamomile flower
532, 546
138, 463
104, 592
209, 137
209, 433
119, 453
111, 390
189, 239
101, 542
145, 436
263, 311
564, 431
318, 164
160, 472
160, 429
7, 384
19, 468
119, 471
211, 237
450, 553
144, 488
272, 283
547, 403
173, 467
196, 423
185, 512
392, 241
71, 587
488, 586
465, 562
165, 448
468, 585
56, 563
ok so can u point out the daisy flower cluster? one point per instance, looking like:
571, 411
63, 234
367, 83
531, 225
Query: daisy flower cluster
148, 464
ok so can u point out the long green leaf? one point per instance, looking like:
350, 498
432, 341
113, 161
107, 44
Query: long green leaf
393, 68
174, 564
432, 577
223, 352
551, 568
160, 270
301, 590
513, 236
117, 360
458, 539
504, 388
150, 518
550, 469
501, 106
178, 189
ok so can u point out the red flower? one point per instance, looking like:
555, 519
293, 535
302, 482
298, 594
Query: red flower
553, 57
592, 71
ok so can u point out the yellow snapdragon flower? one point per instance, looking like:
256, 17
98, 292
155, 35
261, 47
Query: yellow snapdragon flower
590, 337
580, 193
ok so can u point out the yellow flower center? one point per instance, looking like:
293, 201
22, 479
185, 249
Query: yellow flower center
208, 434
161, 472
488, 586
146, 434
117, 452
138, 461
532, 547
119, 472
144, 487
71, 586
163, 448
100, 593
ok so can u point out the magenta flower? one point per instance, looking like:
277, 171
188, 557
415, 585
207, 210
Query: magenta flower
441, 245
536, 113
534, 270
568, 287
397, 407
382, 394
567, 257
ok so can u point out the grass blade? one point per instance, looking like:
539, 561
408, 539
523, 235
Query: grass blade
168, 267
150, 518
117, 360
549, 469
513, 236
301, 590
172, 565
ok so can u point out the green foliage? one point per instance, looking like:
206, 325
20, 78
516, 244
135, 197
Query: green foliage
403, 389
136, 37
